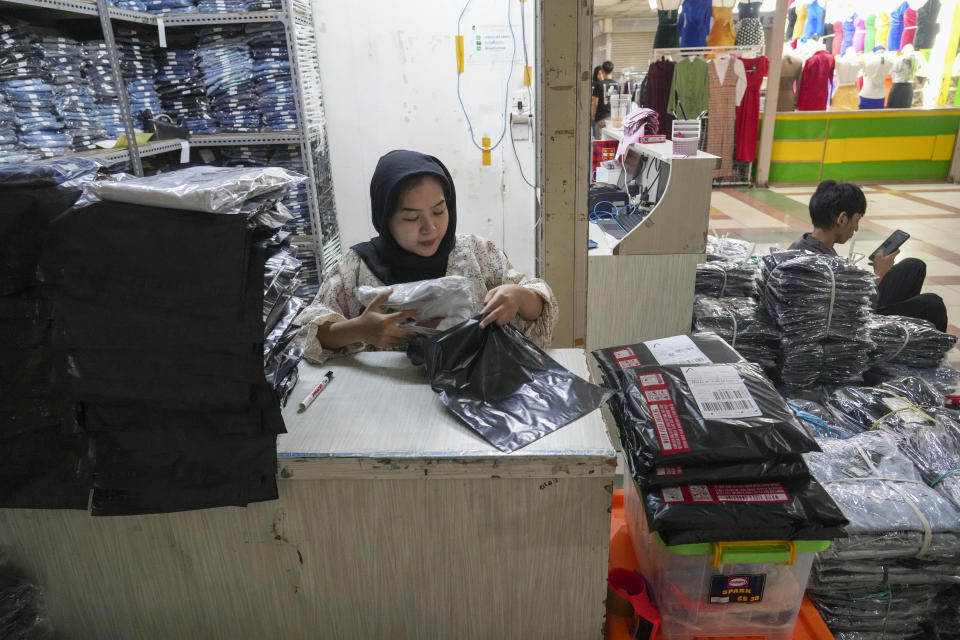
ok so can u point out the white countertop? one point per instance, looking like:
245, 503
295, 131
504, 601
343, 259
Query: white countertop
380, 406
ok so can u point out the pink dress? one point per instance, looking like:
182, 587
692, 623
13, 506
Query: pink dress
860, 34
837, 38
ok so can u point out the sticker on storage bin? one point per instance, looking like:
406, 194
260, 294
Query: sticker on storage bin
677, 350
902, 407
626, 358
737, 589
720, 393
664, 412
766, 492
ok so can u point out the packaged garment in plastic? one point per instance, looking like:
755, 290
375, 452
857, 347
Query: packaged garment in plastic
726, 248
817, 420
710, 414
503, 386
943, 378
743, 324
442, 302
934, 447
200, 188
909, 341
767, 510
892, 403
786, 468
726, 278
22, 615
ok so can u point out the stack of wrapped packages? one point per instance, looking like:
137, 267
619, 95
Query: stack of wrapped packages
889, 459
37, 460
728, 270
172, 321
910, 347
821, 305
713, 446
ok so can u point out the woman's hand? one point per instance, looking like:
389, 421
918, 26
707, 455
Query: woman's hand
370, 327
502, 304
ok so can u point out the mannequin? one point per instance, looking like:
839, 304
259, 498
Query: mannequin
870, 37
927, 27
817, 75
903, 72
859, 34
849, 29
814, 23
749, 28
876, 67
694, 23
848, 68
909, 27
883, 29
837, 45
801, 21
668, 31
896, 27
791, 66
722, 33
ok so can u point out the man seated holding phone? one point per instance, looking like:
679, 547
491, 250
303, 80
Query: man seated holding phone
836, 209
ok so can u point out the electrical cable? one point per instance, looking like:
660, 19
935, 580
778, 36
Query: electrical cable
506, 96
517, 156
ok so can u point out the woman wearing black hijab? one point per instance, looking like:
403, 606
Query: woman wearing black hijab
415, 214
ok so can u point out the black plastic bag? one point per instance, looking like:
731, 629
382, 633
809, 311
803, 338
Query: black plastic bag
774, 469
788, 510
503, 386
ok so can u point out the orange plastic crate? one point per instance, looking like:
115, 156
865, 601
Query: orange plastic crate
810, 625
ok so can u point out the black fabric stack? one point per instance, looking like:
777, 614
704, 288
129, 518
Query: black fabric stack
159, 320
821, 305
742, 323
909, 341
37, 461
719, 278
714, 448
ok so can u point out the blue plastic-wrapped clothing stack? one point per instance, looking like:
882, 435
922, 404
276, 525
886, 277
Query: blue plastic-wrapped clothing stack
139, 66
74, 101
228, 77
271, 74
104, 86
179, 85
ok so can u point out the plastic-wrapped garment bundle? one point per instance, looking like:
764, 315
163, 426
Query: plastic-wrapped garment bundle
503, 386
943, 378
132, 5
767, 510
726, 278
442, 302
18, 59
743, 324
262, 5
726, 248
817, 420
890, 612
170, 6
934, 448
201, 188
250, 156
74, 102
21, 608
892, 511
853, 574
104, 85
710, 414
271, 73
179, 85
220, 6
139, 67
891, 404
909, 341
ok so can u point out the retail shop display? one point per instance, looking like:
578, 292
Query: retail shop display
503, 386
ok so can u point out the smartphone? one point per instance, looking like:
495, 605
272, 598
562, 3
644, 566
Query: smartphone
891, 244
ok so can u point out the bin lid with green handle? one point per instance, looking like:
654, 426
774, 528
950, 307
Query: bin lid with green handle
754, 551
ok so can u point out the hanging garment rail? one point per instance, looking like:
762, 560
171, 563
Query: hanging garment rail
754, 49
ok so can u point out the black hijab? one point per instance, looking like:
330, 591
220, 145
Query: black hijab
386, 259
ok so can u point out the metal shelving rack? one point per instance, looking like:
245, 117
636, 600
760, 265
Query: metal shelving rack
304, 68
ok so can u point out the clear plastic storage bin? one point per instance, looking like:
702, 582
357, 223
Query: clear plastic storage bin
720, 590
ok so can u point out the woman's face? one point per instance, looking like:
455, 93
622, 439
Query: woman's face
420, 221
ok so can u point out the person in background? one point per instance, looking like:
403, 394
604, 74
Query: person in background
836, 209
599, 105
414, 207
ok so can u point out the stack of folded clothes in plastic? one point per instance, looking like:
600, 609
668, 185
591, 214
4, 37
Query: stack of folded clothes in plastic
894, 576
74, 100
821, 305
271, 74
164, 293
742, 323
720, 278
104, 85
714, 447
908, 341
228, 77
37, 460
179, 85
220, 6
170, 6
138, 65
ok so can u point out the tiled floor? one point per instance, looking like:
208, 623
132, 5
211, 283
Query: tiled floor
930, 213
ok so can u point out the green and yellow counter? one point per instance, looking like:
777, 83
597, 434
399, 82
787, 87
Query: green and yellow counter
888, 144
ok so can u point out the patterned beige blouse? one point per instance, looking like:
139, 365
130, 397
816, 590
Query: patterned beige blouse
472, 257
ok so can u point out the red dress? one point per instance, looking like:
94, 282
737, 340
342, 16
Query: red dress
748, 113
814, 91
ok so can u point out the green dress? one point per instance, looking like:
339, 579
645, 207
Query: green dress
692, 82
870, 39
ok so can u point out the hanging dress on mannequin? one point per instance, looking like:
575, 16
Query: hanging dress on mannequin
876, 67
668, 31
722, 34
927, 27
903, 71
791, 23
870, 37
849, 28
909, 28
883, 29
695, 22
836, 47
845, 98
814, 90
801, 22
725, 95
749, 28
814, 23
658, 82
748, 113
896, 27
859, 34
